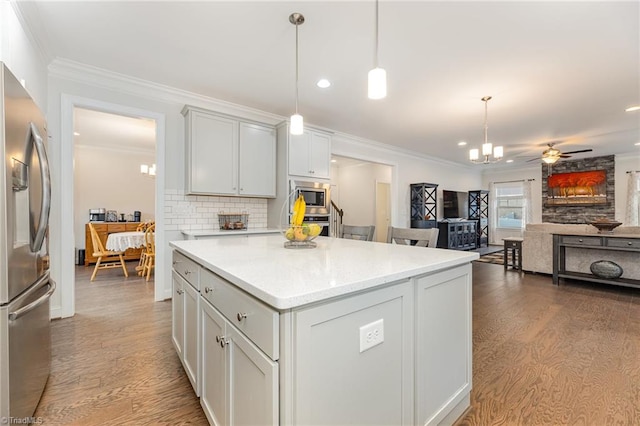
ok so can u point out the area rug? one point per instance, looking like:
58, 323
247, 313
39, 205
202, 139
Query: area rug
497, 258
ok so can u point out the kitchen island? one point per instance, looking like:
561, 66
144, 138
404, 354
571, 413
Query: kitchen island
349, 332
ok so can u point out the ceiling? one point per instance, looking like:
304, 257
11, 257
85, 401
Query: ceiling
558, 71
111, 131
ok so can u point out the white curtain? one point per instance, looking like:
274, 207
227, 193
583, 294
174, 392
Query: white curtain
527, 213
493, 215
633, 199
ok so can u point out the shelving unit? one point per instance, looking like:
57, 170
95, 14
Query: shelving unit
424, 205
479, 211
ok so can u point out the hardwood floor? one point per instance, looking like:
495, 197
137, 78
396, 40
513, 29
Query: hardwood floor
553, 355
542, 355
113, 363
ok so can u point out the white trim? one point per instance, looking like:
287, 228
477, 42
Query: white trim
26, 14
67, 278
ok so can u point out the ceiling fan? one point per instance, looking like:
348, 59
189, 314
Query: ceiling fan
551, 154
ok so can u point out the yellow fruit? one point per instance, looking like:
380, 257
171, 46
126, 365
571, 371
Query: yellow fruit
299, 234
314, 229
289, 235
301, 210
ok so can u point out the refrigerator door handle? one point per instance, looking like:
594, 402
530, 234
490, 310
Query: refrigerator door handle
45, 206
31, 306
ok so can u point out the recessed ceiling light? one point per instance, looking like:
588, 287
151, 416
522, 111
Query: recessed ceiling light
637, 143
76, 134
633, 108
462, 143
509, 161
323, 83
334, 160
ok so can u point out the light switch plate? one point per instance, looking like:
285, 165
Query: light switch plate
371, 334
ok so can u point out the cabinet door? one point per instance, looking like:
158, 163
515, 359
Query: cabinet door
257, 166
177, 308
212, 154
299, 154
213, 395
253, 381
320, 159
191, 328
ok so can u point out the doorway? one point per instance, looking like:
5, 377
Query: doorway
110, 153
66, 275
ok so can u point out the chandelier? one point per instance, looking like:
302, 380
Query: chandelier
487, 148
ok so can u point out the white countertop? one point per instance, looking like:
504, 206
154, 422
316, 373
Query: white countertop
287, 278
221, 232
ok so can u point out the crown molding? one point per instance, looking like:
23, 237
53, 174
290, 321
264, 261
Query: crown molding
29, 17
99, 77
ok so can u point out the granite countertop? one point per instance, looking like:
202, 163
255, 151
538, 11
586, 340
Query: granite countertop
287, 278
214, 232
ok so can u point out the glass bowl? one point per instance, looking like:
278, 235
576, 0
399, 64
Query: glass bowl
301, 236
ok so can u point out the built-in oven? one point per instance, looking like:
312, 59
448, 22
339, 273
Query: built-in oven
316, 195
322, 220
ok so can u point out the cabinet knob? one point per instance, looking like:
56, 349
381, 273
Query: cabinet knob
187, 272
580, 240
630, 243
241, 316
223, 342
208, 290
179, 291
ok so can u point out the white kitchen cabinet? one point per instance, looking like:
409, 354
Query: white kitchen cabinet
239, 382
310, 154
186, 316
228, 156
257, 161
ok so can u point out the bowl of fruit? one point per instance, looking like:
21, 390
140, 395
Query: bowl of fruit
300, 234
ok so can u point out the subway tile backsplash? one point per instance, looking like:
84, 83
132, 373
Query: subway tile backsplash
197, 212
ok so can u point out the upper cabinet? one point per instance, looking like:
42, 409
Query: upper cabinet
310, 154
228, 156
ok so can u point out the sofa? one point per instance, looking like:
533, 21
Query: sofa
537, 249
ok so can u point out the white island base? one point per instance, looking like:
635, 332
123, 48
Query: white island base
352, 332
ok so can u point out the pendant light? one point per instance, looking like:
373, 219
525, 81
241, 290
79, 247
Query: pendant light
377, 76
487, 148
296, 124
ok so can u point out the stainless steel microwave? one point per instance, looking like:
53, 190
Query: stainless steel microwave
317, 196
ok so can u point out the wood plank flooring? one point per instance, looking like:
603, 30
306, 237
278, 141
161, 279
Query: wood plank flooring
113, 363
543, 355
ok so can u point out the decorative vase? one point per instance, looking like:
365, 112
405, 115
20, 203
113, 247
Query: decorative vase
606, 269
605, 226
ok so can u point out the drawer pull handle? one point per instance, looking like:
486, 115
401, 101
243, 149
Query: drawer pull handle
241, 316
175, 262
208, 290
187, 272
580, 240
223, 342
630, 243
218, 339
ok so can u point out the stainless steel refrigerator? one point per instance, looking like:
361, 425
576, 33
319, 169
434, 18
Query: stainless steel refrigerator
25, 286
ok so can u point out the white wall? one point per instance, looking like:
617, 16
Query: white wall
357, 191
21, 55
111, 179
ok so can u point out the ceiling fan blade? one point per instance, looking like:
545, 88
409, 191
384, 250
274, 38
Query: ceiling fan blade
576, 152
564, 156
533, 159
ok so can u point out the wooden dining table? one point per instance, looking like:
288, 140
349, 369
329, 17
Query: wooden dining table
121, 241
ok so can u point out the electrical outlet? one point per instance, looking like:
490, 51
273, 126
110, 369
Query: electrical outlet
371, 335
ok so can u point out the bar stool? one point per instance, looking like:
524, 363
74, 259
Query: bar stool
515, 245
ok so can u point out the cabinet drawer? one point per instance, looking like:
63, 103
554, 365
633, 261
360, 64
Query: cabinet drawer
117, 227
630, 243
584, 241
512, 244
98, 227
255, 319
132, 226
187, 268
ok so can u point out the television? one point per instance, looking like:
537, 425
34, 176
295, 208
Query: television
455, 204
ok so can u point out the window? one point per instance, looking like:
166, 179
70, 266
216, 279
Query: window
510, 204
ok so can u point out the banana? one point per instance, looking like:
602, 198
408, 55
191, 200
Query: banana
301, 210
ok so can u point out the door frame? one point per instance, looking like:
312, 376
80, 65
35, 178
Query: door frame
67, 277
389, 204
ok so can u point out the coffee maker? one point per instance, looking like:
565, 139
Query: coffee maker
97, 215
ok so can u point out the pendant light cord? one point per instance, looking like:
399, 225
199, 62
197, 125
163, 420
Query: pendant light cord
375, 54
296, 67
486, 124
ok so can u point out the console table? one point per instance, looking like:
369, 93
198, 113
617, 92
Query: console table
457, 235
609, 244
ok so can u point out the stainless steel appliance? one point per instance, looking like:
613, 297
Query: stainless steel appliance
25, 286
317, 196
97, 215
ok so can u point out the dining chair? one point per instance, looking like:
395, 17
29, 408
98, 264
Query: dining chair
100, 252
364, 233
423, 237
149, 252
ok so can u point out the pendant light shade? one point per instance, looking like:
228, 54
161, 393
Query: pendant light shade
377, 83
296, 122
377, 76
